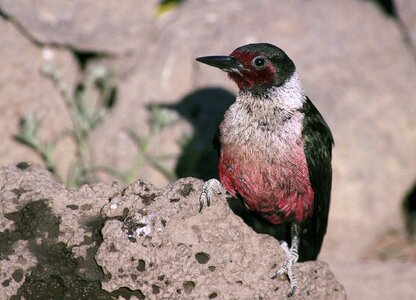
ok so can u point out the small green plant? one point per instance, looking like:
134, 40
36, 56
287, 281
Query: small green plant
29, 126
159, 120
87, 106
165, 6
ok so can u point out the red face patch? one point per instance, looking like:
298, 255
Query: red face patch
253, 73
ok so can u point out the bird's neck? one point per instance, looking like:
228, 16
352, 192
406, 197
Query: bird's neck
283, 99
274, 118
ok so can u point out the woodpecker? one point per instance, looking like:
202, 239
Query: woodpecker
274, 150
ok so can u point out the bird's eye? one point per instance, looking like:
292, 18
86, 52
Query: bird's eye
259, 62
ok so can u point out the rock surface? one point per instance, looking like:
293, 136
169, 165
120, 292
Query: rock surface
154, 244
25, 91
383, 280
406, 10
354, 62
79, 24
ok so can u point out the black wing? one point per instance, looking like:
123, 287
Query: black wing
318, 143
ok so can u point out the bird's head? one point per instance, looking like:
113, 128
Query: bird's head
254, 67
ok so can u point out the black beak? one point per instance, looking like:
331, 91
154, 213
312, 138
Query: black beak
225, 63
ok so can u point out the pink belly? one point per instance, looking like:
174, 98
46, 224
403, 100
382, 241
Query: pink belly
279, 190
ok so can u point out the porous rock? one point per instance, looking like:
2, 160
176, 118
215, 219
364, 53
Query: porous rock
48, 236
154, 244
165, 248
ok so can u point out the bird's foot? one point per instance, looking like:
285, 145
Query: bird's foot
287, 267
212, 185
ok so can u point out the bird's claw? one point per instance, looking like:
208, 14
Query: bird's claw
212, 185
287, 267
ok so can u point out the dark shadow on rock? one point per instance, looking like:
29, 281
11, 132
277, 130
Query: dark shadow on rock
409, 212
387, 6
204, 109
58, 273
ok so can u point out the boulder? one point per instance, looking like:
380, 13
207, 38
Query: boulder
106, 242
406, 10
24, 91
109, 27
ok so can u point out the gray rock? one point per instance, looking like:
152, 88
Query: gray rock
154, 244
102, 26
382, 279
406, 10
14, 269
354, 65
48, 233
25, 91
165, 248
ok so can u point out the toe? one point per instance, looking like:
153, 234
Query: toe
292, 291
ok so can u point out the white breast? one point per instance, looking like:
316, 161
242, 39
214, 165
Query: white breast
271, 124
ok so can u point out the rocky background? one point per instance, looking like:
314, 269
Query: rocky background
109, 91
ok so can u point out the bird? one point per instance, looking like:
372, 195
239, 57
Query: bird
275, 151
